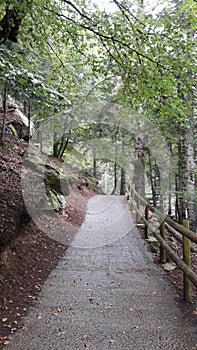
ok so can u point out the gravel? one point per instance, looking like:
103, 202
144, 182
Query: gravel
106, 293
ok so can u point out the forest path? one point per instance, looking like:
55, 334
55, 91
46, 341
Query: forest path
106, 293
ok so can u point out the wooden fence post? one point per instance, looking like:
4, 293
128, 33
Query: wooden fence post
162, 250
162, 233
187, 260
146, 226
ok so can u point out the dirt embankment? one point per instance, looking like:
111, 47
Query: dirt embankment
27, 255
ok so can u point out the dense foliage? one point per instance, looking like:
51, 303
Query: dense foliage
59, 54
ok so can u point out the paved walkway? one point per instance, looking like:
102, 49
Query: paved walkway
104, 297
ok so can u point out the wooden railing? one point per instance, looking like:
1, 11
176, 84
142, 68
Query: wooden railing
181, 232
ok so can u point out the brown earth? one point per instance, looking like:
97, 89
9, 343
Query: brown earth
27, 255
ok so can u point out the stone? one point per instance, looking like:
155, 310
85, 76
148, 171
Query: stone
62, 200
169, 266
54, 181
54, 201
64, 185
11, 130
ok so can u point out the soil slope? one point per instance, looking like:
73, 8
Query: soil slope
27, 255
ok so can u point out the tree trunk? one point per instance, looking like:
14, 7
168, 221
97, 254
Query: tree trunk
94, 167
181, 177
139, 173
65, 145
55, 145
29, 120
39, 134
191, 181
115, 176
170, 183
4, 111
177, 214
11, 21
106, 177
115, 161
123, 182
151, 179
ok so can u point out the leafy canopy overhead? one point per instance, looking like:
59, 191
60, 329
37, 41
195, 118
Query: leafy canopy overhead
71, 49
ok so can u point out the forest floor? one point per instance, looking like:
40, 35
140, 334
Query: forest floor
28, 259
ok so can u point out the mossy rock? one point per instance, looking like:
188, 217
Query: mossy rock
31, 163
54, 181
54, 201
11, 130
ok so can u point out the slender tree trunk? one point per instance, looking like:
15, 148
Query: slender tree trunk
106, 177
39, 134
123, 182
170, 184
55, 145
151, 178
182, 178
177, 214
4, 111
25, 107
139, 173
115, 161
65, 145
29, 120
60, 146
115, 176
191, 180
94, 167
94, 156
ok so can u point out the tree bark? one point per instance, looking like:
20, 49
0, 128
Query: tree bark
65, 145
191, 180
12, 19
4, 111
94, 167
55, 145
39, 133
139, 173
29, 120
123, 182
151, 179
181, 177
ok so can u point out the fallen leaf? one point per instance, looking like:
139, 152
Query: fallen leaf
58, 309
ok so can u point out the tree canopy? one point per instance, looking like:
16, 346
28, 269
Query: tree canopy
58, 54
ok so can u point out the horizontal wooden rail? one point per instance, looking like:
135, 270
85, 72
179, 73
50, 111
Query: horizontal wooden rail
183, 230
182, 233
178, 236
178, 261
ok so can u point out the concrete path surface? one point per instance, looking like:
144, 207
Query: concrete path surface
106, 293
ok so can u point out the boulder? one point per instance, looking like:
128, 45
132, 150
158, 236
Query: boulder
54, 201
55, 181
57, 200
62, 200
17, 122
